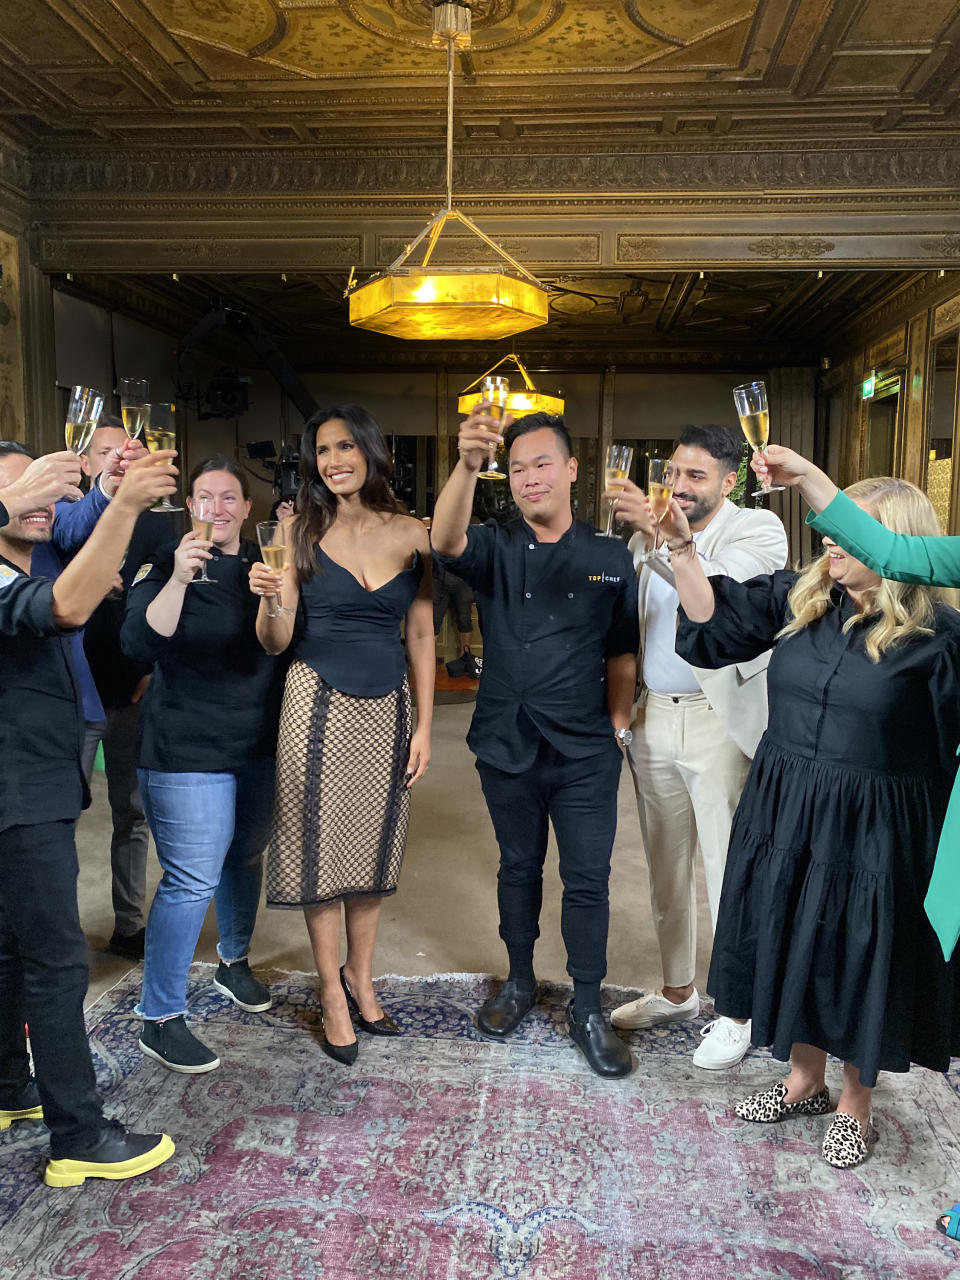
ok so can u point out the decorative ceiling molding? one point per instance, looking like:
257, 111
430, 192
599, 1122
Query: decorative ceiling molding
730, 173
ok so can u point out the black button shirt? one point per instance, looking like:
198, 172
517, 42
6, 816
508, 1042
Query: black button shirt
213, 702
41, 723
551, 614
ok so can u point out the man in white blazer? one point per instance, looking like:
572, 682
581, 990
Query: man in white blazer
694, 731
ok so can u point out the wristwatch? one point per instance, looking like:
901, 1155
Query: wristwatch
623, 736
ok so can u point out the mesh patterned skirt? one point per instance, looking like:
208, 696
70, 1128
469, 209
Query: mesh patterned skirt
341, 811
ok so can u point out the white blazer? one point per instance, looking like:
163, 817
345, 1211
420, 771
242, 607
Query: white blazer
740, 542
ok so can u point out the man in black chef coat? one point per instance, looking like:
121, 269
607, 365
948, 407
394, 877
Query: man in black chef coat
558, 612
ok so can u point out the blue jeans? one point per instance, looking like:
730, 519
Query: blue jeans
210, 830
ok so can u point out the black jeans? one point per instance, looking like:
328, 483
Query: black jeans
580, 798
43, 980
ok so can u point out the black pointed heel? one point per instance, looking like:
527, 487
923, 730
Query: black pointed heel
384, 1026
342, 1053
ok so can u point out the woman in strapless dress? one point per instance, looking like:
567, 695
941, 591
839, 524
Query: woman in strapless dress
348, 753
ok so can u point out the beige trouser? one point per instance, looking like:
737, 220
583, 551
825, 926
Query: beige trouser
688, 776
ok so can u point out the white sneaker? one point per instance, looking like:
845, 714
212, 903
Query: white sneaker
724, 1044
652, 1009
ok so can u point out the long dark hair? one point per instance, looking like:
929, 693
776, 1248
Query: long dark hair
316, 506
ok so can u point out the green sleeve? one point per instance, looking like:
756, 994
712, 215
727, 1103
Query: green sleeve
931, 561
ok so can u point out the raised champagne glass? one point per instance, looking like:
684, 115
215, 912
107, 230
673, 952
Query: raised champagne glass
160, 433
616, 470
134, 406
202, 517
83, 414
754, 414
494, 391
660, 481
273, 548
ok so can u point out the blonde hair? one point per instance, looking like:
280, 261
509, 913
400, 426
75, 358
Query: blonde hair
902, 609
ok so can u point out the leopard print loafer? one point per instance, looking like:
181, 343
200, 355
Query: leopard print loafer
846, 1142
769, 1107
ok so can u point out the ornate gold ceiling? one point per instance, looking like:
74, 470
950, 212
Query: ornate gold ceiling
228, 72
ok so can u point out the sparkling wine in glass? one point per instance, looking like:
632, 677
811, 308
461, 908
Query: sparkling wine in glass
83, 414
134, 407
495, 390
160, 433
202, 516
616, 470
273, 548
660, 481
754, 414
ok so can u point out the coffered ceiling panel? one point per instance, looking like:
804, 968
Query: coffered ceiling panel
339, 71
881, 19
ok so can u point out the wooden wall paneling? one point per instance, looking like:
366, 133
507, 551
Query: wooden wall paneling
955, 495
45, 429
445, 429
912, 442
793, 391
608, 388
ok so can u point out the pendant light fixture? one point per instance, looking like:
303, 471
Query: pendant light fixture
417, 300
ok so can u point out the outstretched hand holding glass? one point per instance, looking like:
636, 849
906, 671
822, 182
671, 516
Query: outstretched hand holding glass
660, 482
754, 414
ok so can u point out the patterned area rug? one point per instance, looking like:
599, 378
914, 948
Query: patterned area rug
441, 1156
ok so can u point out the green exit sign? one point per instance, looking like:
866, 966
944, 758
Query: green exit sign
869, 386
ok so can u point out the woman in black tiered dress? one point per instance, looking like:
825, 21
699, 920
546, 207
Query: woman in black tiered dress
347, 752
821, 939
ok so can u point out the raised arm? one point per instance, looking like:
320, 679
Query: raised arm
779, 465
454, 507
90, 574
933, 561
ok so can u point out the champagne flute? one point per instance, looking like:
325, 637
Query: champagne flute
751, 402
273, 548
202, 516
660, 481
495, 390
616, 469
134, 408
83, 414
160, 433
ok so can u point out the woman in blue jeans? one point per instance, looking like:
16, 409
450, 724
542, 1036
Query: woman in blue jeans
208, 741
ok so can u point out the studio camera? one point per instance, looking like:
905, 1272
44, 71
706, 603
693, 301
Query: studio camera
284, 473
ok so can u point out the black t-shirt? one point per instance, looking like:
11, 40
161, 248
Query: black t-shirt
213, 702
41, 721
551, 614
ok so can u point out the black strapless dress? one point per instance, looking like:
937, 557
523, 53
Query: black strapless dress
342, 805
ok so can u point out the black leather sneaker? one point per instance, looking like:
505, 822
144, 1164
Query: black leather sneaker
237, 983
174, 1044
599, 1044
22, 1106
116, 1154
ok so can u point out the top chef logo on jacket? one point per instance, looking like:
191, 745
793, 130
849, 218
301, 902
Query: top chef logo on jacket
603, 577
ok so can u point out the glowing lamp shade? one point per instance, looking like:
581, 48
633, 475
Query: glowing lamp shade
474, 304
519, 403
